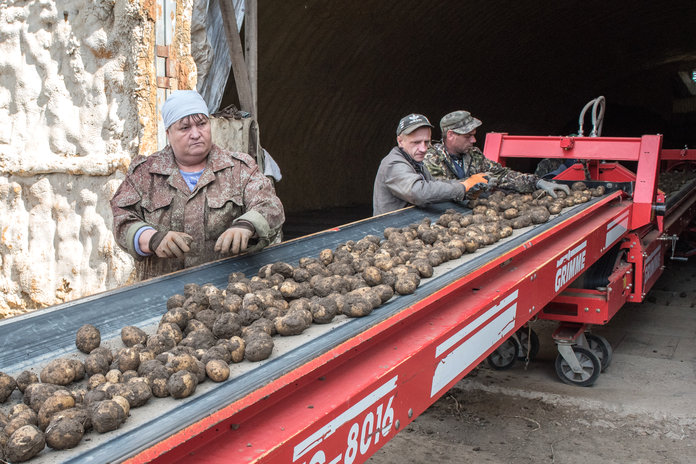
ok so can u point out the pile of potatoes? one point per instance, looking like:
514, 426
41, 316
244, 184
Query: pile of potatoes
672, 181
205, 329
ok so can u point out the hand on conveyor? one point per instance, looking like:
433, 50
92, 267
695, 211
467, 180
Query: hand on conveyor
477, 182
170, 244
550, 187
234, 240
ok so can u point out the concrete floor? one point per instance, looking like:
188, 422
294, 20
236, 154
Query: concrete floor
653, 370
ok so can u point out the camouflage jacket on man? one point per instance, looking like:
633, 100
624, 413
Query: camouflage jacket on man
230, 189
439, 162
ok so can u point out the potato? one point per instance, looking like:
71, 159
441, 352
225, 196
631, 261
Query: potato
237, 288
96, 380
220, 352
237, 349
169, 330
25, 379
127, 359
505, 231
259, 346
96, 363
159, 343
323, 310
131, 335
25, 443
356, 306
423, 266
182, 384
598, 191
19, 419
384, 292
300, 275
539, 215
64, 433
178, 316
107, 415
88, 338
7, 386
294, 322
59, 371
175, 301
227, 325
556, 207
217, 370
372, 276
79, 413
96, 395
58, 402
576, 186
114, 376
369, 294
140, 392
406, 284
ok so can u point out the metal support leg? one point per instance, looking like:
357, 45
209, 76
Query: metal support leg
566, 350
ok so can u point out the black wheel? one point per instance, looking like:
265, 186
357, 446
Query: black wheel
529, 341
601, 347
591, 367
505, 355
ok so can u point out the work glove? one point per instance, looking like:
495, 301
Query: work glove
475, 183
234, 240
170, 244
550, 187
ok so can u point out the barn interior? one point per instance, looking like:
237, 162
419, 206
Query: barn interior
335, 77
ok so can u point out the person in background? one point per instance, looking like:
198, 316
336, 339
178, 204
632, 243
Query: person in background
402, 180
456, 157
192, 202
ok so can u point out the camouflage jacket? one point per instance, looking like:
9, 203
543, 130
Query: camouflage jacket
437, 160
155, 194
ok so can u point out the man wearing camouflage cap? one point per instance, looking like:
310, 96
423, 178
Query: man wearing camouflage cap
456, 157
402, 180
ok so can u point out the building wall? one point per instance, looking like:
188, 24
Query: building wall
78, 100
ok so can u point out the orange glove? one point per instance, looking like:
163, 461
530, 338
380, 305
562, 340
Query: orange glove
469, 182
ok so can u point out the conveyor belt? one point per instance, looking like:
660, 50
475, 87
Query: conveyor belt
31, 340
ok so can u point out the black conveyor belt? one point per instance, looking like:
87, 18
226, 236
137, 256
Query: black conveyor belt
32, 339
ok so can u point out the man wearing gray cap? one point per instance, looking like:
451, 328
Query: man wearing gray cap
456, 157
402, 180
192, 202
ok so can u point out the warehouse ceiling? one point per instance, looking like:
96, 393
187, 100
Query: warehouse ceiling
336, 76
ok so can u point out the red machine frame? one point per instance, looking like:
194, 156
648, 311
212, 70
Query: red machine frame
345, 404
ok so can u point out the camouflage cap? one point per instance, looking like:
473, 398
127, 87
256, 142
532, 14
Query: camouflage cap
412, 122
461, 122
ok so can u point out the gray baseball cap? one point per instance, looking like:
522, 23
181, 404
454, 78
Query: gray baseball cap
412, 122
461, 122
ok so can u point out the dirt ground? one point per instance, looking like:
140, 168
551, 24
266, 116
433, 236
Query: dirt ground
642, 409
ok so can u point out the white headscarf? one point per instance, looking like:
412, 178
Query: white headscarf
182, 103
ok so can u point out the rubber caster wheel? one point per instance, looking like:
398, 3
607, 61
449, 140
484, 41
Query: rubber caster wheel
601, 347
529, 340
505, 355
589, 362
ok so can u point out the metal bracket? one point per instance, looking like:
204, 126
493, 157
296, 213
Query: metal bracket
673, 239
566, 350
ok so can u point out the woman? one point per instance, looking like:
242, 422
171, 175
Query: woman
192, 202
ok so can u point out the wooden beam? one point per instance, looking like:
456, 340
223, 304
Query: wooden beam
251, 21
239, 69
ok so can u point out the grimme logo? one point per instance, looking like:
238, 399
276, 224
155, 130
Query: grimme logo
570, 265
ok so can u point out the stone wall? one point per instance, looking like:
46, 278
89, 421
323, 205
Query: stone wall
78, 100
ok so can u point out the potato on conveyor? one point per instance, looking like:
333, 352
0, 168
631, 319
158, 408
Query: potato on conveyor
217, 370
25, 379
61, 371
131, 335
539, 215
25, 443
7, 385
294, 322
356, 306
64, 433
56, 403
259, 346
106, 416
227, 325
87, 338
